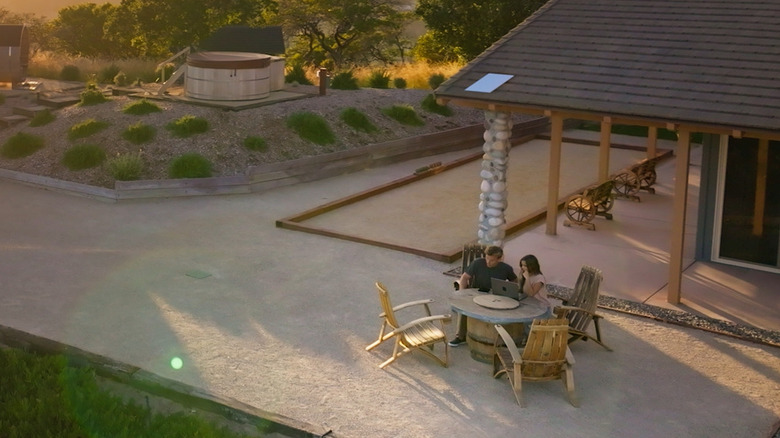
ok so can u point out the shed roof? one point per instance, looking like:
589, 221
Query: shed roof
266, 40
711, 63
11, 35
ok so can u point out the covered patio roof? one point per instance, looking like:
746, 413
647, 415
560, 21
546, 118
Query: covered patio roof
687, 65
709, 64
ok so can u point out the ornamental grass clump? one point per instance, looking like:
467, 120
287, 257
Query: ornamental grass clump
21, 145
138, 133
344, 81
356, 120
429, 104
312, 127
257, 144
86, 128
187, 126
92, 96
141, 107
379, 79
84, 156
190, 165
126, 167
42, 118
403, 114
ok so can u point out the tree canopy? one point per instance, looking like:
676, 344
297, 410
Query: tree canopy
464, 29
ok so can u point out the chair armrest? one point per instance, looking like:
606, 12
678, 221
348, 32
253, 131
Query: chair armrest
509, 342
569, 356
410, 304
444, 318
576, 309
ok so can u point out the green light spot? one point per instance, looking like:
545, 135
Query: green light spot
176, 363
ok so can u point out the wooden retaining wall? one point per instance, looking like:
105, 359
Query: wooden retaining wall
272, 175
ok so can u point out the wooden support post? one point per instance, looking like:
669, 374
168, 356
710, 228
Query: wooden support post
678, 216
761, 173
554, 174
604, 145
652, 141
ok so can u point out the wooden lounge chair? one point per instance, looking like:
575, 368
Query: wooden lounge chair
419, 334
546, 356
580, 309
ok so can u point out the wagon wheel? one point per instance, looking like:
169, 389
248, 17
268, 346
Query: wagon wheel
626, 184
580, 210
648, 178
608, 203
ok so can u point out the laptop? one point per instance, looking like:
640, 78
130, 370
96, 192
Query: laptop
507, 289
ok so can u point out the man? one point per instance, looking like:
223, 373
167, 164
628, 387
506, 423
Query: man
478, 275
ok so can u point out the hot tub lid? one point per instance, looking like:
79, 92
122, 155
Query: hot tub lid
228, 60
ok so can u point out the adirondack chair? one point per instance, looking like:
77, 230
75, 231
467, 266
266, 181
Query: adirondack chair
580, 308
420, 334
471, 252
546, 356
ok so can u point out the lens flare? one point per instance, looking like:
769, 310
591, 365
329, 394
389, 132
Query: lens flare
176, 363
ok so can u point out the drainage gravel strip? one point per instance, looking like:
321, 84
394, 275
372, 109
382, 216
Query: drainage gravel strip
749, 333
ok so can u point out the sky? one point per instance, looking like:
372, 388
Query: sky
47, 8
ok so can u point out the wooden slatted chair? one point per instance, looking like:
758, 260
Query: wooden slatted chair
580, 308
546, 356
420, 334
471, 252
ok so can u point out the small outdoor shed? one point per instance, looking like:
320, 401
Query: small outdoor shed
14, 52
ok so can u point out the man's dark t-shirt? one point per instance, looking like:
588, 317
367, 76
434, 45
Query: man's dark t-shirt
480, 273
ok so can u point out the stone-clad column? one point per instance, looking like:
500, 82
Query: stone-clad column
493, 199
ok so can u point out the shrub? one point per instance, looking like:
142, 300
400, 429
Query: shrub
70, 73
344, 81
121, 79
139, 133
311, 127
399, 83
429, 104
379, 79
128, 167
21, 145
141, 107
86, 128
403, 114
297, 74
83, 156
107, 74
92, 96
357, 120
187, 126
190, 165
42, 118
435, 80
255, 144
43, 396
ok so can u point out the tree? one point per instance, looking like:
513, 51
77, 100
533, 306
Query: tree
467, 27
78, 30
155, 28
343, 32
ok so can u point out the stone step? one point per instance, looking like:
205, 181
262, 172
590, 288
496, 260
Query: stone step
59, 101
30, 111
8, 121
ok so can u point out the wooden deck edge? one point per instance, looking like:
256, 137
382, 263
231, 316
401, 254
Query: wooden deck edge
178, 392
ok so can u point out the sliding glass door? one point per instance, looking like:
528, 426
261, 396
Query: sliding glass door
747, 225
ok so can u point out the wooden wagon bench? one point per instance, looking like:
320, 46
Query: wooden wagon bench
594, 201
641, 176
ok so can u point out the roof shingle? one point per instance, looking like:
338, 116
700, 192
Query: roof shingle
704, 62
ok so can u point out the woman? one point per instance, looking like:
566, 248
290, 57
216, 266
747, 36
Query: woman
532, 281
